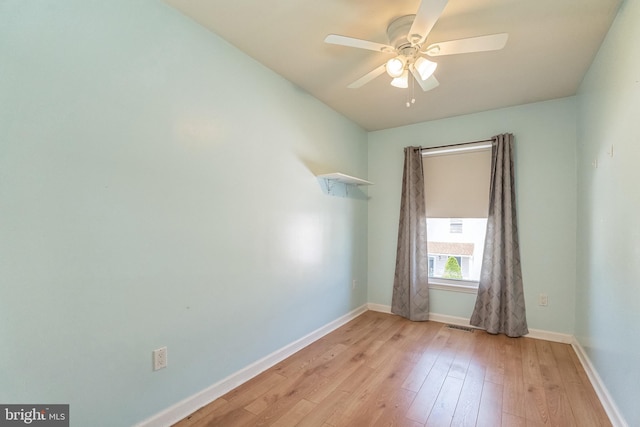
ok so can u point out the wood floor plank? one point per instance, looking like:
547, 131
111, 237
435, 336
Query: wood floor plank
387, 350
327, 385
530, 362
559, 410
353, 330
510, 420
496, 367
232, 412
466, 412
324, 410
536, 404
357, 379
249, 391
446, 402
237, 417
308, 358
383, 370
213, 407
513, 399
267, 399
394, 413
280, 400
559, 407
490, 410
427, 360
586, 412
295, 414
548, 364
425, 399
569, 370
369, 400
382, 391
463, 355
356, 355
513, 388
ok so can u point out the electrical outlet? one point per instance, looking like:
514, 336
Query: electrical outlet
354, 283
543, 300
160, 358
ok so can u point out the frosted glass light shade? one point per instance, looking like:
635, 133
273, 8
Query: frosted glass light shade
395, 66
402, 82
425, 67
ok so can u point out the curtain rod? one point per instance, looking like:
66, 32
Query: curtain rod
454, 145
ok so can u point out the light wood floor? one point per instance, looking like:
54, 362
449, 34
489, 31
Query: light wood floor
382, 370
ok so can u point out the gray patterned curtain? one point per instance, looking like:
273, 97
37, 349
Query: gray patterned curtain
410, 283
500, 303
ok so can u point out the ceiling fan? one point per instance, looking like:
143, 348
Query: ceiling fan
406, 37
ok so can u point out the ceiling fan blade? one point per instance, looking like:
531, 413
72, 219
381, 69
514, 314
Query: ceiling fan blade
358, 43
368, 77
472, 44
426, 85
426, 17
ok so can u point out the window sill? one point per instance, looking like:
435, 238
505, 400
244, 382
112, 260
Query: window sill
464, 286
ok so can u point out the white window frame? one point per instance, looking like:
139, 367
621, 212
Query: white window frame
461, 285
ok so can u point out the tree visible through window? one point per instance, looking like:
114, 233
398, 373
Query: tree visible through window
452, 269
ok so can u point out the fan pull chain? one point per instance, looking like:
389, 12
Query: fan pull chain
413, 98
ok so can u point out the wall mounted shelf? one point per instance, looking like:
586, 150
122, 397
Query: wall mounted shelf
344, 179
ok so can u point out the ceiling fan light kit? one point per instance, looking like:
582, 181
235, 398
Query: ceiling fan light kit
425, 67
401, 81
406, 36
395, 66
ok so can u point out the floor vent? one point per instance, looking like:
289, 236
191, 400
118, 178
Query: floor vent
460, 328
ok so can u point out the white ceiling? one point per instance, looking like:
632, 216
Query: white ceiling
551, 45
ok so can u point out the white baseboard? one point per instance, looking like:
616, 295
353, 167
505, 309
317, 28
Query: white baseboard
191, 404
463, 321
607, 401
380, 308
550, 336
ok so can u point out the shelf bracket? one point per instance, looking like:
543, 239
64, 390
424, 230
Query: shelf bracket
332, 178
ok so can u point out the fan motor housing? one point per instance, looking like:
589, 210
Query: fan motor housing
398, 30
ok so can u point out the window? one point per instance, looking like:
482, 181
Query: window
466, 248
455, 225
457, 183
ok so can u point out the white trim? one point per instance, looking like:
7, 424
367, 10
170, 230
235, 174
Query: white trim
191, 404
452, 320
463, 321
540, 334
451, 287
607, 401
379, 307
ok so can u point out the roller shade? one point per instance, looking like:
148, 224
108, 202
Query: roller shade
457, 182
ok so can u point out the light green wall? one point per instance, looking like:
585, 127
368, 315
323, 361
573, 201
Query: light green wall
155, 189
608, 283
546, 182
